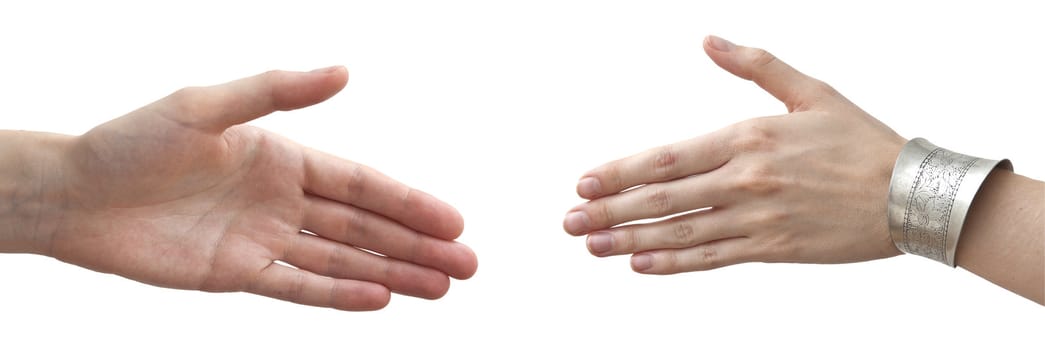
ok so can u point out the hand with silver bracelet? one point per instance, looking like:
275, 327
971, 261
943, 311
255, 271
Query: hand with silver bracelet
179, 194
811, 186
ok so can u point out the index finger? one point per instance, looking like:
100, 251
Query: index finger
689, 157
363, 187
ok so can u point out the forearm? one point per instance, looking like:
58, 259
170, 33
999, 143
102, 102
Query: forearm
29, 164
1004, 236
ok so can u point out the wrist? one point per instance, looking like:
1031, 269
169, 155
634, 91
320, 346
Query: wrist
30, 194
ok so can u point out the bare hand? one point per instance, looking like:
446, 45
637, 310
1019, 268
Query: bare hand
809, 186
178, 194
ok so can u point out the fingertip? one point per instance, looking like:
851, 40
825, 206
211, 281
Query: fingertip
599, 244
334, 79
468, 264
329, 70
433, 216
295, 90
379, 300
720, 51
455, 223
452, 225
576, 222
708, 49
361, 296
718, 44
338, 75
438, 289
642, 263
589, 187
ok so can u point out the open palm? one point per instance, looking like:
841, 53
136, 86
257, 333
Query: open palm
178, 194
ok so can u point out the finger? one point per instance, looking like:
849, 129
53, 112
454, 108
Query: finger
649, 201
303, 287
360, 186
707, 256
679, 232
796, 90
333, 259
357, 227
693, 156
215, 108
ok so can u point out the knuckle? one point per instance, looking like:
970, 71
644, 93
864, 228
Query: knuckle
669, 262
760, 58
416, 248
612, 174
684, 233
629, 241
354, 224
753, 136
601, 214
388, 271
659, 201
814, 92
778, 247
758, 180
665, 160
770, 217
404, 199
268, 89
773, 242
356, 181
272, 76
335, 262
606, 213
823, 89
709, 256
185, 100
293, 290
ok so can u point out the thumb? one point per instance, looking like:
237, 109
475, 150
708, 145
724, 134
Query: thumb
796, 90
216, 108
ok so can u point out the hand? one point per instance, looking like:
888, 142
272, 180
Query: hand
809, 186
178, 194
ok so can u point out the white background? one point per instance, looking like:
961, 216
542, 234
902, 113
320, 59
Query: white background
497, 108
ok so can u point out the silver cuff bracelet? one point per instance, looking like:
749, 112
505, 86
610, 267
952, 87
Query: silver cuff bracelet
929, 196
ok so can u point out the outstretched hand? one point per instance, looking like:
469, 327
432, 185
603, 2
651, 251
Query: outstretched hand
179, 194
809, 186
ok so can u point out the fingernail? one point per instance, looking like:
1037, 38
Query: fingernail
720, 44
326, 70
577, 222
641, 262
600, 242
589, 187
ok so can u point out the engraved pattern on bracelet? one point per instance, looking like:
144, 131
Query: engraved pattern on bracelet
931, 199
930, 194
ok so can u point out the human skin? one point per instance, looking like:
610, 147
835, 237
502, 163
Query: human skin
810, 186
179, 194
